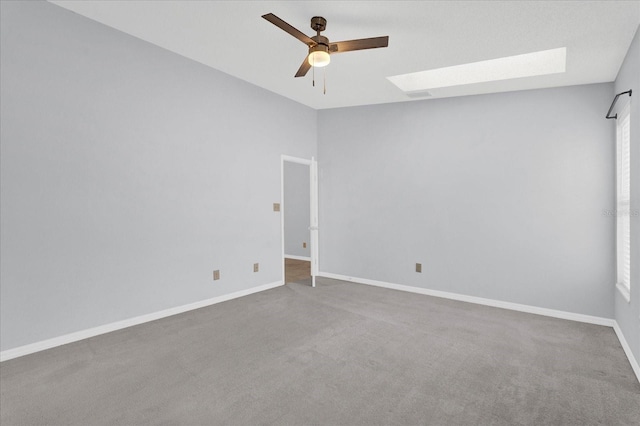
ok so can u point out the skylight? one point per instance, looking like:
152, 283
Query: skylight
545, 62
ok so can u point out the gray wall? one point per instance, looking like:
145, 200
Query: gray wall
296, 209
498, 196
628, 314
129, 173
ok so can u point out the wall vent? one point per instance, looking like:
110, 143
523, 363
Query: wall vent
419, 94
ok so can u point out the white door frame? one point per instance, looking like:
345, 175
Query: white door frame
313, 220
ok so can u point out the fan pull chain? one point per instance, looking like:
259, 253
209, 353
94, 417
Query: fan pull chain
314, 71
324, 81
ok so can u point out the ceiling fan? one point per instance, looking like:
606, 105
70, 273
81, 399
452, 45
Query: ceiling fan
320, 48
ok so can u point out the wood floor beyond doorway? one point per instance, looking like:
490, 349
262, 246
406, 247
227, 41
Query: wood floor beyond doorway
296, 270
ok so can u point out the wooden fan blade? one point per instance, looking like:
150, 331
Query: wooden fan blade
288, 28
359, 44
304, 68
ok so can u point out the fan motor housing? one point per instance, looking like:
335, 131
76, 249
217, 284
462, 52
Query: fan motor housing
320, 40
323, 44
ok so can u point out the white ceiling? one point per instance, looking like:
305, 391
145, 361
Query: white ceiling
232, 37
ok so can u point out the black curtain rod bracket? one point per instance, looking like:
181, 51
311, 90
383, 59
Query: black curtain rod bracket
613, 104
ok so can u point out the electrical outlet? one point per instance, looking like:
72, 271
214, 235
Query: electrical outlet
256, 267
304, 245
276, 207
419, 267
216, 274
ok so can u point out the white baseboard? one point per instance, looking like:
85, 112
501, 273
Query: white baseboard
95, 331
291, 256
627, 350
478, 300
505, 305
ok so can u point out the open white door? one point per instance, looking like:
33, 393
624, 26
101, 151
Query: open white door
313, 228
313, 210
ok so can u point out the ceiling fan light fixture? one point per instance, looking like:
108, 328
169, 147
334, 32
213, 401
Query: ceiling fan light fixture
320, 48
319, 58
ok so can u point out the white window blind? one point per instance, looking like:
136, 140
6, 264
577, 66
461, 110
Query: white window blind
623, 207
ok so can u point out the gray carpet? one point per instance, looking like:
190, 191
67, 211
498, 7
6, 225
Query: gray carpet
339, 354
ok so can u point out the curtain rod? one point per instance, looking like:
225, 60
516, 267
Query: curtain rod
614, 103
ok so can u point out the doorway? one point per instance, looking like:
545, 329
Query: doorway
299, 219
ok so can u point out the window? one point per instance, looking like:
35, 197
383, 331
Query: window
623, 207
